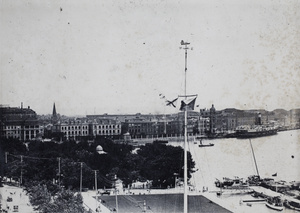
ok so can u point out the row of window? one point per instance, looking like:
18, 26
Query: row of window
107, 126
19, 127
13, 127
109, 132
103, 132
75, 133
73, 127
19, 132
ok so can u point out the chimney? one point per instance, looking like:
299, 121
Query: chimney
21, 105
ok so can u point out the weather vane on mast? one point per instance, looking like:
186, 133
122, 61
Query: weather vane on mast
185, 44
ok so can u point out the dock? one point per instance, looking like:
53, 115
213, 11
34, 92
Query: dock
264, 192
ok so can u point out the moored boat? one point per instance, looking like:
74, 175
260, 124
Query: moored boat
274, 203
255, 131
231, 183
203, 144
292, 204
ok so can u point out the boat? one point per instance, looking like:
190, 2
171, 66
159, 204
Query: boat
254, 131
254, 180
231, 183
274, 203
160, 142
292, 204
202, 144
229, 134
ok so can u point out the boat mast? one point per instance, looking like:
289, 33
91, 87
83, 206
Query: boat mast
254, 158
185, 198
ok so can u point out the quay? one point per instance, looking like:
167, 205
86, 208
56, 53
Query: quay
254, 200
264, 192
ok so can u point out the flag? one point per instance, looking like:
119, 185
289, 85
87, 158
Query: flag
189, 103
274, 175
172, 103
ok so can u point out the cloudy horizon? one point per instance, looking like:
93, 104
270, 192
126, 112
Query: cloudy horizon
116, 57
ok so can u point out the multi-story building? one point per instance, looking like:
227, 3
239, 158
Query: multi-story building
143, 127
72, 129
20, 123
203, 125
214, 119
105, 127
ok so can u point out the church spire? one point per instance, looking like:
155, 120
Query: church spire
54, 110
54, 115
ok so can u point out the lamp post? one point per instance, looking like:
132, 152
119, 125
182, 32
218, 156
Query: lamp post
6, 153
80, 189
96, 190
21, 178
175, 179
59, 172
117, 208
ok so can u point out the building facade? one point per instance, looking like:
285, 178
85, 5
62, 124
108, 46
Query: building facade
19, 123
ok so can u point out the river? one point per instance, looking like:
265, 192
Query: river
233, 157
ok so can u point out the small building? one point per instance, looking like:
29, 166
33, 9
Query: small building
141, 184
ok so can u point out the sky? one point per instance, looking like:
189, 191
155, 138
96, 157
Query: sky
117, 56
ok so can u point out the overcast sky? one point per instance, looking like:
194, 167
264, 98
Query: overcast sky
117, 56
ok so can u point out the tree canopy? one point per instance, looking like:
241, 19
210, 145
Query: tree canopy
46, 161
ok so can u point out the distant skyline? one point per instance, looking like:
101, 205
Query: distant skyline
116, 57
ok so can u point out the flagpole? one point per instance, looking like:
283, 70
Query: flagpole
185, 197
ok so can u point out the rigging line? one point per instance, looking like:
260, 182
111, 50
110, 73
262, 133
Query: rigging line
196, 160
205, 153
14, 156
189, 150
183, 96
105, 179
37, 158
194, 181
254, 157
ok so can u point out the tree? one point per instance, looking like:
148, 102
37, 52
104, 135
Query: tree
39, 197
161, 162
66, 201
